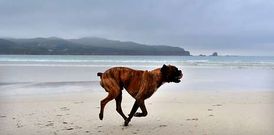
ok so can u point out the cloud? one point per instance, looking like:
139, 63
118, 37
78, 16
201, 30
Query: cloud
233, 26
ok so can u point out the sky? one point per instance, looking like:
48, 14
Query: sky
229, 27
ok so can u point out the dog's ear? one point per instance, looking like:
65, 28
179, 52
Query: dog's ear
164, 68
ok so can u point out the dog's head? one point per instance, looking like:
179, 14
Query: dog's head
171, 74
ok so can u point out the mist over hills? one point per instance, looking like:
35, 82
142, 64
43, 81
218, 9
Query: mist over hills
83, 46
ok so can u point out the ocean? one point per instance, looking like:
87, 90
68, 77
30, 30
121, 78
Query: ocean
138, 61
47, 74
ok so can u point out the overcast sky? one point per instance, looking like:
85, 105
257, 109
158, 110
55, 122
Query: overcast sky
240, 27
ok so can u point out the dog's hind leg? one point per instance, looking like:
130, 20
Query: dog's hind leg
103, 104
113, 91
118, 100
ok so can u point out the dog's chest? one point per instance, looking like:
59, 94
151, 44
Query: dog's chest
149, 93
143, 85
148, 85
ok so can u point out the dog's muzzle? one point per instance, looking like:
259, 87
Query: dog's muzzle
178, 78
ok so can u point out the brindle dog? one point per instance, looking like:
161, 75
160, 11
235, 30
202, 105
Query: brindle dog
139, 84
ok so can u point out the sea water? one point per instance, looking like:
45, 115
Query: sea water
47, 73
138, 61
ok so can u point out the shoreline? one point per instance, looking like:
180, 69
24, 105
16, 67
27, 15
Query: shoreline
18, 89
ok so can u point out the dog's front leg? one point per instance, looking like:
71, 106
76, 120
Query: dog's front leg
143, 108
132, 112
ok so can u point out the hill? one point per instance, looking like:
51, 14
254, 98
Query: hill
83, 46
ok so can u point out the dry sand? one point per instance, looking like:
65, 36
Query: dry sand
177, 113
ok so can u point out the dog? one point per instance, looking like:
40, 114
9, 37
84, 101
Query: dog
138, 83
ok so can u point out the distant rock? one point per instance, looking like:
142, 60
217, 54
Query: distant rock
214, 54
202, 55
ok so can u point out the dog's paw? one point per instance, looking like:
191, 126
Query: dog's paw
126, 122
100, 116
138, 114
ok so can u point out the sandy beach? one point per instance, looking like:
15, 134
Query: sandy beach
53, 95
185, 112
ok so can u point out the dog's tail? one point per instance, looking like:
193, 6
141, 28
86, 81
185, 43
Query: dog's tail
99, 74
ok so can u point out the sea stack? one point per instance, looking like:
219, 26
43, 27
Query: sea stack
214, 54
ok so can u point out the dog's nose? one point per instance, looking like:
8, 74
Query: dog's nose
181, 73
